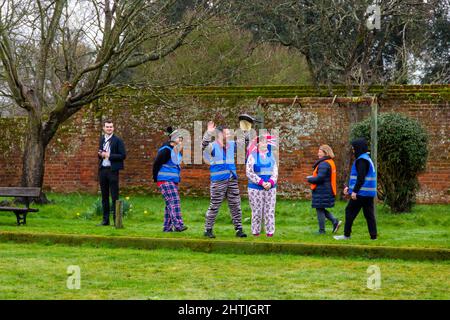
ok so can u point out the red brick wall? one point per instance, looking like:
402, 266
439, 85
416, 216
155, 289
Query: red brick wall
71, 161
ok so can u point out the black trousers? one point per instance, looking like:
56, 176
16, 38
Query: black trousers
352, 211
109, 185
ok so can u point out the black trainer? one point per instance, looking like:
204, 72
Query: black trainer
184, 228
241, 234
208, 233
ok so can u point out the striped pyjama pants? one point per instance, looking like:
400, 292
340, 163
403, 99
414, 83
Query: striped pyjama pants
219, 191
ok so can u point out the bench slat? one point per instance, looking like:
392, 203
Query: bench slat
18, 209
19, 192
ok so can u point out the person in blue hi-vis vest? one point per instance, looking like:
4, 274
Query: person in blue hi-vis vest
262, 174
166, 173
224, 180
362, 188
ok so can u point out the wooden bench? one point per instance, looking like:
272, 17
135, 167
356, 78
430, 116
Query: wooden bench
27, 194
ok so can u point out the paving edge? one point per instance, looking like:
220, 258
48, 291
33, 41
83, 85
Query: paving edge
227, 246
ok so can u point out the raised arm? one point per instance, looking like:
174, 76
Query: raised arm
207, 137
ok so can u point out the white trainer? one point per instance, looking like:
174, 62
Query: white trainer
341, 237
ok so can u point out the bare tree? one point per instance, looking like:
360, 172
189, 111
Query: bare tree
334, 35
435, 53
58, 56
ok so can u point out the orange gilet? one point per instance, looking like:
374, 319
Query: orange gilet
333, 175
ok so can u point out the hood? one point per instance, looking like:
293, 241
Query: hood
320, 160
360, 146
167, 144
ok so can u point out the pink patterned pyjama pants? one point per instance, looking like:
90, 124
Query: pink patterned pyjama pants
262, 203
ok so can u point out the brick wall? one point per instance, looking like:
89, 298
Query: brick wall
71, 161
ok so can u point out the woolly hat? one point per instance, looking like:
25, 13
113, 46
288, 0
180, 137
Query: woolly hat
173, 134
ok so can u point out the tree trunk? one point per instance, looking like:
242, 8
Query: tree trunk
34, 158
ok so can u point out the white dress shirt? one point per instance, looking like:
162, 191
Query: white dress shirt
107, 148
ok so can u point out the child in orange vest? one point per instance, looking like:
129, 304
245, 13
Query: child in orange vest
323, 186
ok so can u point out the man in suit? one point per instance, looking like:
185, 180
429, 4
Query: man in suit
111, 155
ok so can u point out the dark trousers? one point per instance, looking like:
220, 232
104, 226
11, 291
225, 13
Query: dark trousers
352, 210
323, 214
109, 184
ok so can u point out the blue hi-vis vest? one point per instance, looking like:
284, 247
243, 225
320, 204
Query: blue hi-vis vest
369, 187
263, 167
170, 171
222, 165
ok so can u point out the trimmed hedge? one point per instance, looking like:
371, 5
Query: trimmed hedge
411, 92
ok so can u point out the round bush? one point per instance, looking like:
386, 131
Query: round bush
402, 154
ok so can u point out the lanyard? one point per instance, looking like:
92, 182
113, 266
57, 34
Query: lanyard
107, 144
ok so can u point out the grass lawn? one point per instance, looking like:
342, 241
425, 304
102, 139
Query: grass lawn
425, 226
35, 271
39, 270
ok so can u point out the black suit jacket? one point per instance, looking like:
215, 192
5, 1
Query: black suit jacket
117, 153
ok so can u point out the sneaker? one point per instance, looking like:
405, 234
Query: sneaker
167, 230
341, 237
240, 234
256, 234
208, 233
336, 226
184, 228
269, 235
